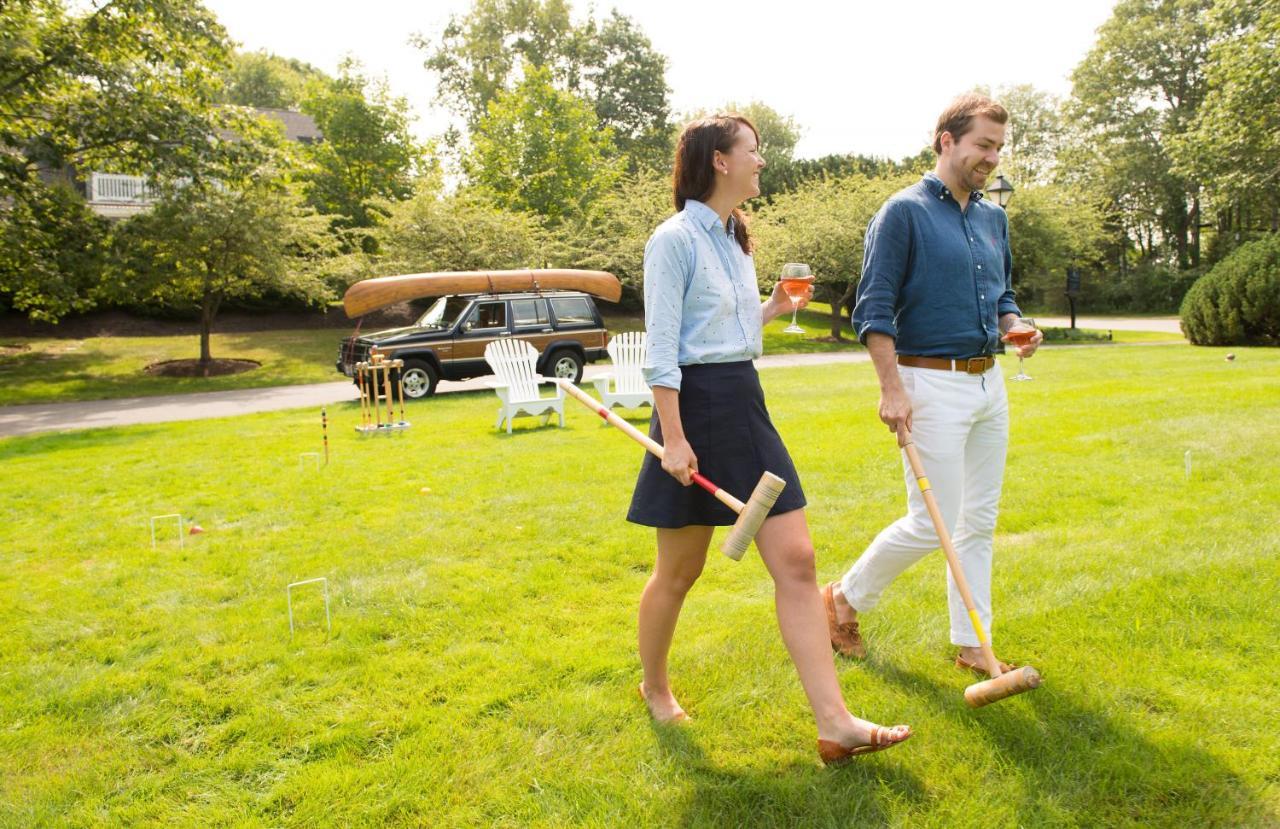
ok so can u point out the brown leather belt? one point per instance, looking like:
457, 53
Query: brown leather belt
971, 365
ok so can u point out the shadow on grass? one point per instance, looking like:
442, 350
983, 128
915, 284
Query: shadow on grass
1082, 767
18, 446
796, 794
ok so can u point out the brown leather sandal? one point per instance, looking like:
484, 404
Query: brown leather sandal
845, 638
834, 754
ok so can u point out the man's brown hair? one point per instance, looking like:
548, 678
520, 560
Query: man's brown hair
958, 117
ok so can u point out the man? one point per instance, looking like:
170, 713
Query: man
934, 300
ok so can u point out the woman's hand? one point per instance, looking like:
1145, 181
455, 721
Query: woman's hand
679, 461
779, 303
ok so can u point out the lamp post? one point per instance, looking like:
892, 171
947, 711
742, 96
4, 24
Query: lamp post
1000, 192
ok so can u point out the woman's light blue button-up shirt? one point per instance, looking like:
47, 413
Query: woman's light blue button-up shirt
701, 298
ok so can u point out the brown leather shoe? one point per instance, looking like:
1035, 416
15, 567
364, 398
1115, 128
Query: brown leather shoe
834, 754
981, 670
845, 639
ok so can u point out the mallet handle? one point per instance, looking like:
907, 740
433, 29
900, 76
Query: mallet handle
645, 441
953, 560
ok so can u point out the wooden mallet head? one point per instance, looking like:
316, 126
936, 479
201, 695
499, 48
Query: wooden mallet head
1006, 685
752, 515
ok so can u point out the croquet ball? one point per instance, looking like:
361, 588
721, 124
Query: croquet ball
426, 490
196, 529
1230, 357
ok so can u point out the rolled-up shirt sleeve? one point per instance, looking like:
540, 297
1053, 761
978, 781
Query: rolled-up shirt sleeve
1007, 304
884, 267
667, 267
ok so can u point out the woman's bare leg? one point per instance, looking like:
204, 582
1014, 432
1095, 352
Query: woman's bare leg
681, 556
787, 552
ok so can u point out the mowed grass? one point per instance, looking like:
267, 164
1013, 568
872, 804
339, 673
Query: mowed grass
101, 368
482, 665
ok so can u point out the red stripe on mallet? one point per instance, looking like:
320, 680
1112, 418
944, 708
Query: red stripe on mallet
705, 484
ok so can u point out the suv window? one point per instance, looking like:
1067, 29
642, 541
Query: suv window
487, 316
572, 310
444, 312
529, 312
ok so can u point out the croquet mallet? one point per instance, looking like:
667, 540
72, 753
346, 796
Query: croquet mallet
1000, 685
750, 515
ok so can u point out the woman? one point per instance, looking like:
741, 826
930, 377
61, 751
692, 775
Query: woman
704, 317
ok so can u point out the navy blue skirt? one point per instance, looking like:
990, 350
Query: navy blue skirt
725, 421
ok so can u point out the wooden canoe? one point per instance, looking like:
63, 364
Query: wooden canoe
373, 294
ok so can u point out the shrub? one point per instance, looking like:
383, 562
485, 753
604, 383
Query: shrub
1238, 302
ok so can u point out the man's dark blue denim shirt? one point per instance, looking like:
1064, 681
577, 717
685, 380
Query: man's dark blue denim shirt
934, 278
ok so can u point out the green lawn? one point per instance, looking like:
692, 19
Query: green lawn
98, 368
101, 368
482, 666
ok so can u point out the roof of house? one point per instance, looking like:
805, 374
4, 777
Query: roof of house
297, 126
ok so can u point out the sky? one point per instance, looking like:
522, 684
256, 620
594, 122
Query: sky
858, 77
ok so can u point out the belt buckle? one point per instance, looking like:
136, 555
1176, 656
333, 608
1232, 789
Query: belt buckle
975, 365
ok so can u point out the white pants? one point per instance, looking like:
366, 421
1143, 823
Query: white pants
960, 426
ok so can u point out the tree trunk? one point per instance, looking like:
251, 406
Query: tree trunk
837, 309
1181, 237
208, 309
1194, 223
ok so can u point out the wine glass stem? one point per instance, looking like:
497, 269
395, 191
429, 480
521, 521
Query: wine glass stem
794, 308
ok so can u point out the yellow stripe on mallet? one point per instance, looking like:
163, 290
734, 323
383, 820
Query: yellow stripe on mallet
750, 515
1000, 685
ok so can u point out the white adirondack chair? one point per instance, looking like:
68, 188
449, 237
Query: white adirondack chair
629, 388
515, 361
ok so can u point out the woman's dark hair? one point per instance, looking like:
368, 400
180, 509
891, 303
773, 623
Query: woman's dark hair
694, 177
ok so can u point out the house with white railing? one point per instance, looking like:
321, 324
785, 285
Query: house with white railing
116, 196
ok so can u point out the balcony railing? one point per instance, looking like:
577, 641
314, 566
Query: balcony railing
112, 188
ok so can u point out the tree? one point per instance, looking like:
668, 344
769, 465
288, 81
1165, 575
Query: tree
203, 244
625, 79
611, 65
612, 233
52, 251
460, 232
852, 164
129, 84
822, 223
368, 152
542, 149
124, 86
1138, 87
1036, 133
1237, 155
260, 79
1051, 228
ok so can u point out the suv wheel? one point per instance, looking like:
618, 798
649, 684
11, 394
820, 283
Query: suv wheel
419, 378
565, 363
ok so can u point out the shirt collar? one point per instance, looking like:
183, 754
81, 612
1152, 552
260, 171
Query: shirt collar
937, 188
705, 216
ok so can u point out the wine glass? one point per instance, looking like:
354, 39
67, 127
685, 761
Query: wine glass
796, 278
1020, 333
